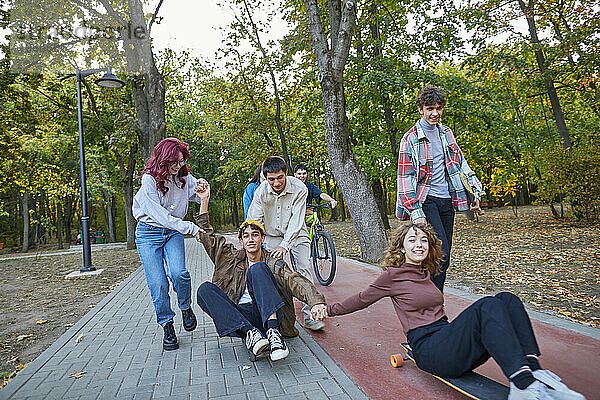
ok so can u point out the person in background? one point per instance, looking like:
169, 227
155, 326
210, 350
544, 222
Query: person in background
314, 193
159, 207
430, 165
256, 180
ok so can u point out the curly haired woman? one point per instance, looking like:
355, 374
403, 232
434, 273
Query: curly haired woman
494, 326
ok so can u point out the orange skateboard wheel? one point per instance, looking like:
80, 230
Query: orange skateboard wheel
397, 360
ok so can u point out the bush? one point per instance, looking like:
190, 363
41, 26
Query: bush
573, 177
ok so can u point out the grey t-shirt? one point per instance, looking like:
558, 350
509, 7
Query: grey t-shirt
166, 211
439, 185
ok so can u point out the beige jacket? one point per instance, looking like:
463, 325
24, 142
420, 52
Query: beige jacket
231, 265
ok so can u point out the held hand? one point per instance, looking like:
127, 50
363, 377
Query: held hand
333, 204
420, 221
318, 312
475, 206
202, 189
279, 252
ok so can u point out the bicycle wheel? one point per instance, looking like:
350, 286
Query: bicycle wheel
323, 258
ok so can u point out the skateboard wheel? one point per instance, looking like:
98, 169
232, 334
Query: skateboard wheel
397, 360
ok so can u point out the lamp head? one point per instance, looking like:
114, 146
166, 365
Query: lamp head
110, 80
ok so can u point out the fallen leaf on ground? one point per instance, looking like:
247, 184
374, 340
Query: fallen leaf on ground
79, 338
23, 337
40, 321
245, 367
77, 374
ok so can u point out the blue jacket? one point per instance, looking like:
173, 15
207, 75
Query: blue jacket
249, 195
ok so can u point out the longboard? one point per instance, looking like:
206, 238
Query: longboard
471, 384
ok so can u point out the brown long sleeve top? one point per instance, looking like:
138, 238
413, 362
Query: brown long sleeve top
417, 301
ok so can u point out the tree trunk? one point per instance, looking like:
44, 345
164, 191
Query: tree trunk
129, 219
59, 224
352, 182
148, 86
108, 213
381, 201
127, 185
235, 218
26, 220
334, 211
112, 233
69, 213
548, 82
342, 204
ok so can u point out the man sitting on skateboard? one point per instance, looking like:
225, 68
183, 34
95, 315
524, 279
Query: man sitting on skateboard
250, 295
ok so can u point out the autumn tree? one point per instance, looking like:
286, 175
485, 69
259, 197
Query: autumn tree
331, 56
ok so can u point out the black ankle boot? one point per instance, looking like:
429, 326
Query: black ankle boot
170, 341
189, 319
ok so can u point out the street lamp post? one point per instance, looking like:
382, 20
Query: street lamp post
109, 80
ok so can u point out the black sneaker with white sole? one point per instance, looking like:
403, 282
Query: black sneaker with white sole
255, 341
278, 348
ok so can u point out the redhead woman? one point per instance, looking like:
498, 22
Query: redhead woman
494, 326
159, 206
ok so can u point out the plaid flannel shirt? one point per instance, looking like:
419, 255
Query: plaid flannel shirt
415, 169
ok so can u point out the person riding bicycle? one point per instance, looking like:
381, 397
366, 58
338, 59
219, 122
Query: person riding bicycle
251, 292
315, 195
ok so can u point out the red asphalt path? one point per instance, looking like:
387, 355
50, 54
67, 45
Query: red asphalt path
362, 342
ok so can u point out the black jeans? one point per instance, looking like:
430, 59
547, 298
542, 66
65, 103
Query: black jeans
229, 317
494, 326
439, 213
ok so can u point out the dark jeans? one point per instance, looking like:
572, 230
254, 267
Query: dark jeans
229, 317
439, 213
494, 326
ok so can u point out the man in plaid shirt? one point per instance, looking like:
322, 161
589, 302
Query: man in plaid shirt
429, 167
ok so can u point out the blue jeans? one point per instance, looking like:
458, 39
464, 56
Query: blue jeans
160, 247
229, 317
439, 213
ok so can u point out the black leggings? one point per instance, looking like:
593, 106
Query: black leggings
494, 326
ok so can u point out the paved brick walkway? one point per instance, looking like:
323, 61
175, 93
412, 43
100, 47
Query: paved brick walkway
120, 350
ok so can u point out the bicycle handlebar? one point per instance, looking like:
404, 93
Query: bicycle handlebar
328, 204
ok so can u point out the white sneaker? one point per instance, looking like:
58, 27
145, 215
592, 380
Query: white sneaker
560, 390
255, 341
536, 391
278, 348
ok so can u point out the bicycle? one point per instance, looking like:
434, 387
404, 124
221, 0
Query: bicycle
322, 250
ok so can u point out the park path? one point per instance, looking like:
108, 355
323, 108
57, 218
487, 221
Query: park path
118, 345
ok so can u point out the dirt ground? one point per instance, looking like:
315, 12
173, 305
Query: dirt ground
39, 305
554, 266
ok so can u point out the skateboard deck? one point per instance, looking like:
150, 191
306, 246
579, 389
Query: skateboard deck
471, 384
